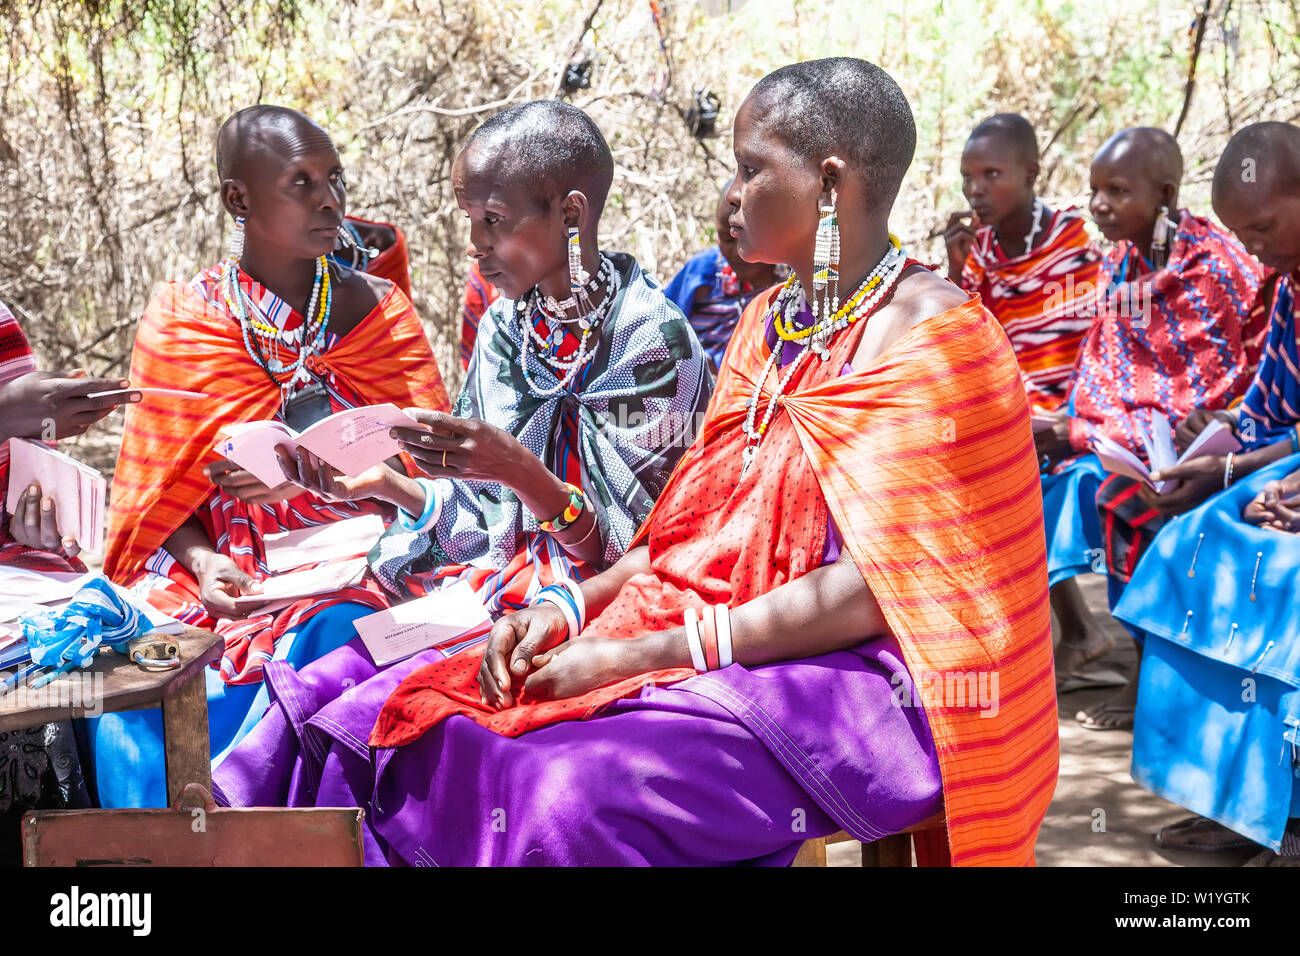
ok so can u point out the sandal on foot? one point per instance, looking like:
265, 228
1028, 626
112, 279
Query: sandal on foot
1183, 835
1089, 721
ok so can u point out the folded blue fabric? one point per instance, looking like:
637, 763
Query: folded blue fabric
96, 616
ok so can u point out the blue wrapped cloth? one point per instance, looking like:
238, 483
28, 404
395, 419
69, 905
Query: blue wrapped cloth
97, 616
1070, 519
1219, 693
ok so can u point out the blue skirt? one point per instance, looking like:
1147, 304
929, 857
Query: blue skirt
1219, 693
1074, 544
123, 753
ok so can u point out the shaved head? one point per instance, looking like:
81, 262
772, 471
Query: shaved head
1260, 155
550, 147
259, 132
847, 107
1012, 129
1147, 152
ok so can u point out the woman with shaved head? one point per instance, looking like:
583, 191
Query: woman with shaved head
275, 331
1218, 711
1171, 334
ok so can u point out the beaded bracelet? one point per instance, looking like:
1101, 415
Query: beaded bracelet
432, 509
566, 519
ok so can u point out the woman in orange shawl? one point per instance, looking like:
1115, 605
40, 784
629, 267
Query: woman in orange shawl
188, 529
871, 520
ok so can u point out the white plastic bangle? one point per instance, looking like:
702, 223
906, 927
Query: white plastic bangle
558, 600
575, 591
692, 620
722, 623
432, 509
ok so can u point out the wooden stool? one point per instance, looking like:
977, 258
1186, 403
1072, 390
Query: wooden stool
893, 850
114, 683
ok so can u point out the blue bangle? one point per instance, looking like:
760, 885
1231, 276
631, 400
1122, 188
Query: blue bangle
1295, 439
432, 509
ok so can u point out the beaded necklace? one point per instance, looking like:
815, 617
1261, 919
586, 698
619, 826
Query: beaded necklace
265, 343
858, 306
535, 302
844, 315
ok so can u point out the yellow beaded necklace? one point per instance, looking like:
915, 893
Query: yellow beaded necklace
789, 333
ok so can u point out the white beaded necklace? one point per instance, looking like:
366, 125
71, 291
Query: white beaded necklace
588, 321
754, 436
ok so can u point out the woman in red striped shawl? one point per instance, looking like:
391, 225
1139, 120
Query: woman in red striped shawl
275, 331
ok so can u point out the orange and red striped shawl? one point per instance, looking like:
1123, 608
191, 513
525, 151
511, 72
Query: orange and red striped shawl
1043, 298
187, 341
927, 463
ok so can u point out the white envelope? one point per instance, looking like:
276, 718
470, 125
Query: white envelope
409, 628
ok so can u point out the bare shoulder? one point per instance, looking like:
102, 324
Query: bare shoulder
919, 295
355, 297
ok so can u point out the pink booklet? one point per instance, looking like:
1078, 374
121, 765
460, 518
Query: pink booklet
78, 490
351, 440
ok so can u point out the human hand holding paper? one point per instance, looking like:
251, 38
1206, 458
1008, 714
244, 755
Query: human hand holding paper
35, 524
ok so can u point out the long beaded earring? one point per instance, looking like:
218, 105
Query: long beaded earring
1160, 238
826, 269
236, 241
577, 274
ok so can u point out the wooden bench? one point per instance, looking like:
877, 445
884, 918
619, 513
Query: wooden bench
202, 835
893, 850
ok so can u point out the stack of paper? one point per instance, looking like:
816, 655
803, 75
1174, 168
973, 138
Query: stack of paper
284, 589
351, 441
1216, 439
78, 490
349, 538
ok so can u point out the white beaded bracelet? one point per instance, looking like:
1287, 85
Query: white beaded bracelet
692, 621
722, 623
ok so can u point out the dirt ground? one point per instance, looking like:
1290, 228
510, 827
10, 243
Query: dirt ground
1095, 777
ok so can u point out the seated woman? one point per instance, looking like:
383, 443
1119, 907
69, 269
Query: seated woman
1171, 334
862, 532
273, 331
1036, 270
715, 285
585, 403
376, 248
40, 768
1215, 595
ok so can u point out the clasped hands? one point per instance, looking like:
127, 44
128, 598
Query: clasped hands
527, 651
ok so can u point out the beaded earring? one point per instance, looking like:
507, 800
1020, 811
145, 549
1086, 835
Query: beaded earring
236, 240
826, 265
1160, 237
577, 274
